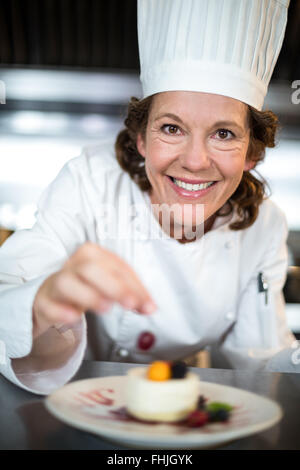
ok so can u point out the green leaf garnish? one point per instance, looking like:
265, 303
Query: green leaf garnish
217, 405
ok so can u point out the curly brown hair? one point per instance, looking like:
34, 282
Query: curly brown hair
250, 192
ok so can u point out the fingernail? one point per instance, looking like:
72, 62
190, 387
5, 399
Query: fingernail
149, 307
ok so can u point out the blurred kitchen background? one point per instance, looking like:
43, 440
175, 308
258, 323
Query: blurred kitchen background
69, 68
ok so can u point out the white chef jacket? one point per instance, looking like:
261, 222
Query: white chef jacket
206, 291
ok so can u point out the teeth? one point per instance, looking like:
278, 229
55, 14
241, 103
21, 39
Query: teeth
192, 187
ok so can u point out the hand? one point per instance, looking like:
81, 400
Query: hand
92, 279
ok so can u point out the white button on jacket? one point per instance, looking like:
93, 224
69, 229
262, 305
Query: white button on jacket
194, 285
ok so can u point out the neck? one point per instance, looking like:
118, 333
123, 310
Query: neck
207, 227
180, 231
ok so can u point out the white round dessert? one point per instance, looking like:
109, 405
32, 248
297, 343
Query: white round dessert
167, 401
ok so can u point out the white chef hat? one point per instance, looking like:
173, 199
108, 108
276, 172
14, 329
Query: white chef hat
226, 47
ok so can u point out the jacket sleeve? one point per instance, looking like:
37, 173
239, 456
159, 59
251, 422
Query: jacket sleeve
260, 338
27, 258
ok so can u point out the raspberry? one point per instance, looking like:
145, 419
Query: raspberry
197, 419
178, 370
145, 340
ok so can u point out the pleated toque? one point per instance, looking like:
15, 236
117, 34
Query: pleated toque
226, 47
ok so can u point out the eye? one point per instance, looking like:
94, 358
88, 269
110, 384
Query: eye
224, 134
170, 129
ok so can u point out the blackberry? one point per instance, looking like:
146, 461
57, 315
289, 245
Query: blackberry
178, 370
218, 416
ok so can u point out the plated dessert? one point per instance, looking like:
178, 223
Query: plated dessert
98, 405
168, 392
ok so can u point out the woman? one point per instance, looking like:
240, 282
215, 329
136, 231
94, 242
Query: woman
157, 283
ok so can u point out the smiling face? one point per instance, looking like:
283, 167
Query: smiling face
194, 139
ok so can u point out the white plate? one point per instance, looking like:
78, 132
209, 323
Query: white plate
93, 405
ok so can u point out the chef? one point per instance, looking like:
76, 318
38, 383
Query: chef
164, 239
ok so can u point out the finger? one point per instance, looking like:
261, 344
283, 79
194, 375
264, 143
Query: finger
71, 290
122, 269
112, 286
55, 312
135, 283
119, 267
145, 303
90, 252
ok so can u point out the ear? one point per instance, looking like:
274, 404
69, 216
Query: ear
140, 145
249, 164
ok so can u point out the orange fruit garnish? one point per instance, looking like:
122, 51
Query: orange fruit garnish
159, 371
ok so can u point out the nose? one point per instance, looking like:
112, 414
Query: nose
195, 155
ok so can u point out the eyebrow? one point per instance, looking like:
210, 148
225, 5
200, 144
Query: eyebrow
169, 115
216, 124
229, 124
